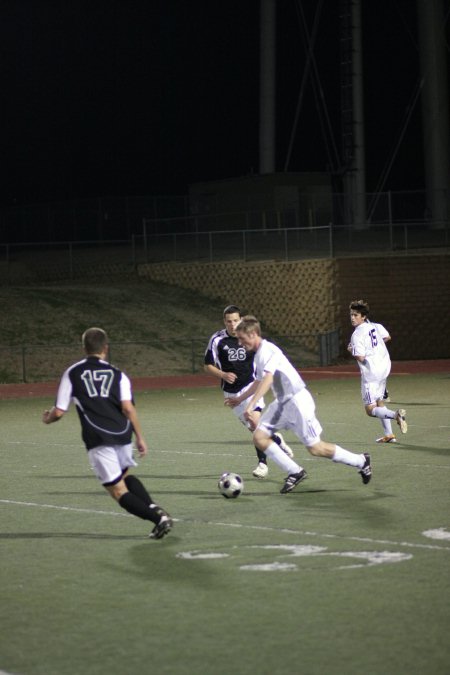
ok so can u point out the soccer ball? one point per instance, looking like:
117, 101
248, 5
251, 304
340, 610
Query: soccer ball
230, 485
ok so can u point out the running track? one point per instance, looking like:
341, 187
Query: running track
29, 390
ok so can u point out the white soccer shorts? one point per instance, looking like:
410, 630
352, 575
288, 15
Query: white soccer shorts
240, 409
110, 461
371, 392
297, 414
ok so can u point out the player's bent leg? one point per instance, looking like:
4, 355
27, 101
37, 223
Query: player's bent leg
139, 508
261, 440
322, 449
343, 456
135, 486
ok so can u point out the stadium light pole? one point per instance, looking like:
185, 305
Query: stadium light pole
435, 109
267, 86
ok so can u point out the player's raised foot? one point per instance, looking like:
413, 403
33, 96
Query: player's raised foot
279, 440
261, 470
390, 438
293, 480
162, 528
366, 471
400, 416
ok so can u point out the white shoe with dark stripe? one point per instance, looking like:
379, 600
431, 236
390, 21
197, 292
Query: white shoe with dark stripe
401, 420
279, 440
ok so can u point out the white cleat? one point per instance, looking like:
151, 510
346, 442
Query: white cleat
261, 470
401, 420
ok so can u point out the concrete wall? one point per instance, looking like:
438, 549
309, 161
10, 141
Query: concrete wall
410, 295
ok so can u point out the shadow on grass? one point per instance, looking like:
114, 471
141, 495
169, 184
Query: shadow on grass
70, 535
440, 452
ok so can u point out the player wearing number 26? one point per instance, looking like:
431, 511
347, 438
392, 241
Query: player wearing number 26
368, 347
104, 402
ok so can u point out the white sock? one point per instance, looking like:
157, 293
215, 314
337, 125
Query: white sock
342, 456
383, 413
387, 427
275, 453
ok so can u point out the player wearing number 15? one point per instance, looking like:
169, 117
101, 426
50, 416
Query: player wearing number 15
104, 402
367, 346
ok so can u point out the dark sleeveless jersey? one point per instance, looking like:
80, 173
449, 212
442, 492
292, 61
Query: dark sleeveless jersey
97, 389
225, 352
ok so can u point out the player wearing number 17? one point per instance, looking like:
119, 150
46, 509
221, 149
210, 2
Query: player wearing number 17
104, 402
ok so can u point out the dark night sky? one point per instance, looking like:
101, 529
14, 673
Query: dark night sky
141, 97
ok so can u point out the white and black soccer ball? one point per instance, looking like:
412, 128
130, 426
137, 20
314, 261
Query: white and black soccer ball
230, 485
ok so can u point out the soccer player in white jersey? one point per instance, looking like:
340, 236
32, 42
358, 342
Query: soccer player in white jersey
104, 402
292, 408
368, 346
226, 360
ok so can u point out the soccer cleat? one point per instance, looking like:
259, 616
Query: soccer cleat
279, 440
390, 438
400, 416
366, 471
162, 528
293, 480
261, 470
386, 396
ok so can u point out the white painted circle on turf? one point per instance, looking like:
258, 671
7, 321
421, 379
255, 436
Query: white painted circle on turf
439, 533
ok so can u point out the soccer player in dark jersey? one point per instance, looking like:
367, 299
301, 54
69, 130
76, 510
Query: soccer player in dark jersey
104, 402
233, 365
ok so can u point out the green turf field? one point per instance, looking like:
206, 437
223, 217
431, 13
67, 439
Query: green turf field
335, 578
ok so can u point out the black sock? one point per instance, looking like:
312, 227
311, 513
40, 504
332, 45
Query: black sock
137, 488
262, 459
137, 507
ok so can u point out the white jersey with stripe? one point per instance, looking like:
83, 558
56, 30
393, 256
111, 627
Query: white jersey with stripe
368, 340
286, 379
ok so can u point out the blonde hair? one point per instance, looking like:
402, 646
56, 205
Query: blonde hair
249, 324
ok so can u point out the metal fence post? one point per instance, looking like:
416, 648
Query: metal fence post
391, 240
24, 369
144, 233
70, 260
8, 272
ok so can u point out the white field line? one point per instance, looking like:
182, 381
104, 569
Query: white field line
263, 528
208, 453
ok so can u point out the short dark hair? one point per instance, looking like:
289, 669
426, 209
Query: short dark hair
94, 341
360, 306
231, 309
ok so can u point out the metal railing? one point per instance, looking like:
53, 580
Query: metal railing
22, 263
290, 243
